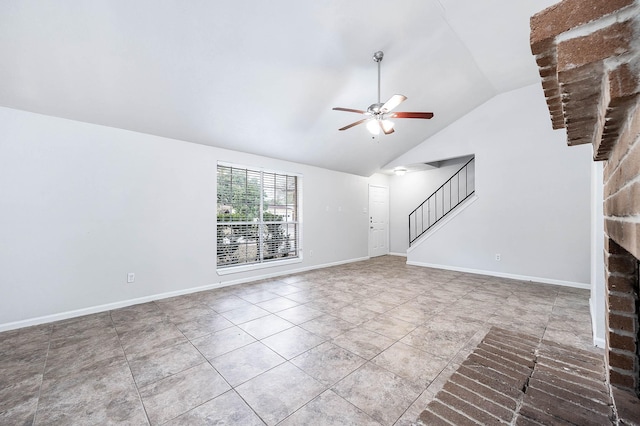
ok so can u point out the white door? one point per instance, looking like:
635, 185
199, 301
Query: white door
378, 221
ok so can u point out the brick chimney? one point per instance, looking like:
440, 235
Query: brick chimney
588, 54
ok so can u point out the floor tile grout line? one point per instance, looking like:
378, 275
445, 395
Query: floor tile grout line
44, 370
135, 384
231, 388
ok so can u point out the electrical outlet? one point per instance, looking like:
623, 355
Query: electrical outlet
498, 257
131, 277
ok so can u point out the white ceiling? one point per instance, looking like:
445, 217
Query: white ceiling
262, 77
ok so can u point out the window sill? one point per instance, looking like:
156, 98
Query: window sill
256, 266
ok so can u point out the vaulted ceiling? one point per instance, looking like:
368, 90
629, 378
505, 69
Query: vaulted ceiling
262, 77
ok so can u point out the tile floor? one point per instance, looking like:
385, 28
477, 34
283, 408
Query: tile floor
367, 343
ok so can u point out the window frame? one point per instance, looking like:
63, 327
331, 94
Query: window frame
262, 263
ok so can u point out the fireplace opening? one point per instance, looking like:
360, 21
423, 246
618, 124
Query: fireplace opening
637, 323
623, 343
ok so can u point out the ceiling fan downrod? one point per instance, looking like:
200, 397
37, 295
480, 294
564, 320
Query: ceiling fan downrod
378, 58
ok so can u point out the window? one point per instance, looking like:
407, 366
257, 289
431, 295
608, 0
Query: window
258, 216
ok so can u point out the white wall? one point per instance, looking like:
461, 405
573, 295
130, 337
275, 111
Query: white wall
533, 191
81, 205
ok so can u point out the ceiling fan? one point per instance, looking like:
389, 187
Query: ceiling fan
378, 114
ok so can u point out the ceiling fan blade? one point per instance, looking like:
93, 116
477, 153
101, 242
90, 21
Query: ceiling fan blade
358, 111
348, 126
393, 102
426, 115
386, 129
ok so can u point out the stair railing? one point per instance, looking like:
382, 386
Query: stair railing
447, 197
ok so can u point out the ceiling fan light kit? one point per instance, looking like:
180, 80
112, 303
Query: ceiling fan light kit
380, 113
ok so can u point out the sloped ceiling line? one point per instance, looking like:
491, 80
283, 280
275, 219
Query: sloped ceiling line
272, 72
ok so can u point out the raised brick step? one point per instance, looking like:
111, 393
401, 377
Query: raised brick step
516, 379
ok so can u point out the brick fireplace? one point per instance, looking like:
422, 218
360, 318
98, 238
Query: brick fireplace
588, 54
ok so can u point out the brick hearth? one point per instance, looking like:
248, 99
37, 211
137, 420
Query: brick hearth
515, 378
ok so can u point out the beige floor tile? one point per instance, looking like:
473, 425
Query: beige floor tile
203, 325
85, 325
19, 400
292, 342
265, 326
151, 337
284, 289
327, 304
105, 394
279, 392
328, 363
151, 367
389, 326
136, 316
393, 297
581, 340
354, 314
227, 409
303, 296
278, 304
384, 403
412, 314
363, 342
245, 363
188, 313
224, 303
257, 296
327, 326
329, 409
299, 314
25, 339
245, 314
379, 306
411, 363
70, 356
223, 341
441, 338
178, 303
175, 395
116, 407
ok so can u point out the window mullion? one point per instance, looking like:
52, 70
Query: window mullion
261, 220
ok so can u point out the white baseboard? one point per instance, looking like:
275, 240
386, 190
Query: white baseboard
101, 308
503, 275
398, 254
599, 342
159, 296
